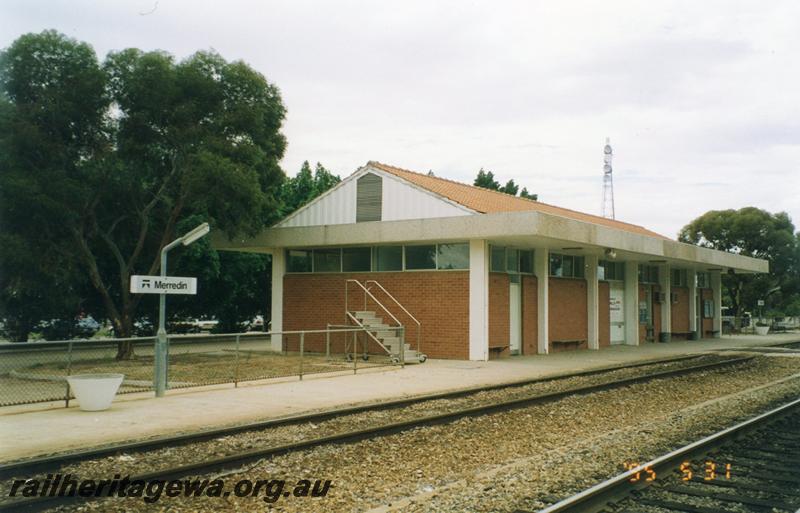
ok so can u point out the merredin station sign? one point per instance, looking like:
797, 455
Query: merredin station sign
163, 285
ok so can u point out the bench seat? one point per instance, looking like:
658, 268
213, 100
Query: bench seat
568, 343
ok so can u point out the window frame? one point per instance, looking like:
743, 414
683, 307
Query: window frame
577, 266
376, 250
438, 255
344, 249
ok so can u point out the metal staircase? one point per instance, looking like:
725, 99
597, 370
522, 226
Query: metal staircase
390, 336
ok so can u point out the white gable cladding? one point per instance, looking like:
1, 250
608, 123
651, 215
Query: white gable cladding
404, 201
338, 206
401, 201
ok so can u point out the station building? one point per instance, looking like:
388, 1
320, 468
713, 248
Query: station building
483, 273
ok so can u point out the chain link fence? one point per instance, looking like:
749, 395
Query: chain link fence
35, 372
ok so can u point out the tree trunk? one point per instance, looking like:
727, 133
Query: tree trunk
123, 328
19, 329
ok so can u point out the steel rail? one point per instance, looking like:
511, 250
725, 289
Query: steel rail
28, 466
234, 460
619, 486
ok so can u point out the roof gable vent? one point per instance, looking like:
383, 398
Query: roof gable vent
369, 197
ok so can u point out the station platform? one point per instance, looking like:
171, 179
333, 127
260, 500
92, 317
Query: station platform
39, 429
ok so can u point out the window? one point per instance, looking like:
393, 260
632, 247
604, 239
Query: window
421, 257
566, 266
708, 308
678, 278
378, 258
644, 312
556, 265
579, 267
526, 262
611, 271
512, 260
648, 274
453, 256
356, 259
327, 260
298, 261
703, 280
498, 259
369, 193
388, 258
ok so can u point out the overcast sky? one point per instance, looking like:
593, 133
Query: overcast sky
701, 100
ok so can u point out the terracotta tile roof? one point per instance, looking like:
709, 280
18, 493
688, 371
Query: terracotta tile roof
487, 201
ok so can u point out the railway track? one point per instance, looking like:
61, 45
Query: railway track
214, 465
46, 463
751, 466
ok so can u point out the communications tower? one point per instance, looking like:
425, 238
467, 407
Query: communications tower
608, 182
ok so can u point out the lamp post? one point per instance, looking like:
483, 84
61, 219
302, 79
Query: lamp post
160, 374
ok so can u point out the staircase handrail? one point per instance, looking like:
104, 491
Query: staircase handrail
367, 293
419, 325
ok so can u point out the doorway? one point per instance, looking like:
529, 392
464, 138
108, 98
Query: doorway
515, 314
698, 310
617, 312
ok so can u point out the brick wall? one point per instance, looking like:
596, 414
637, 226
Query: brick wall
568, 307
604, 313
439, 299
498, 313
680, 310
530, 315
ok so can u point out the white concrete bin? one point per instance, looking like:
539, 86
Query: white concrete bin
762, 330
95, 392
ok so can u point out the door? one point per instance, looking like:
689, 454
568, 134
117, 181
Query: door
617, 312
515, 315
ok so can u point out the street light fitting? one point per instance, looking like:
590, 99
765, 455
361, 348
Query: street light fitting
197, 233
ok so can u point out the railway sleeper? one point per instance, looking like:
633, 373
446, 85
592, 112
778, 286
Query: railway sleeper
726, 497
677, 506
758, 465
760, 454
770, 477
774, 490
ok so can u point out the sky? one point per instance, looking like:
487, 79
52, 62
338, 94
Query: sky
701, 100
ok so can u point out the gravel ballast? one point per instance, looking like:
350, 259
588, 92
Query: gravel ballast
525, 458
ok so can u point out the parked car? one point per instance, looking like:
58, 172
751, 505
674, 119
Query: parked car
63, 329
206, 324
184, 326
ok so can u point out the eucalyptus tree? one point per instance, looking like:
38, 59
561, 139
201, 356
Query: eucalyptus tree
104, 161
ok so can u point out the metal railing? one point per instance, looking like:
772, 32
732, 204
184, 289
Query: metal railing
33, 372
369, 294
403, 308
369, 333
401, 356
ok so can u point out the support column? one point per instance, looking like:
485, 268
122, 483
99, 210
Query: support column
631, 303
665, 283
592, 303
479, 300
278, 270
692, 277
541, 267
716, 290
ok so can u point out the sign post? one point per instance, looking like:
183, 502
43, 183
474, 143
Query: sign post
164, 285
